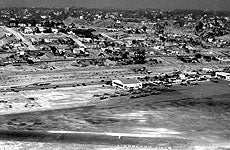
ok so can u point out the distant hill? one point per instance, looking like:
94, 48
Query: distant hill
76, 21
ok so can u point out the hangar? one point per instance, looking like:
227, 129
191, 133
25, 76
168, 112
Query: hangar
127, 83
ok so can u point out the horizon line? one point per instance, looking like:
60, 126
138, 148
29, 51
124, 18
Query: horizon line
135, 8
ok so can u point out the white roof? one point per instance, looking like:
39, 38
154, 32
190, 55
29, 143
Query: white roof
223, 73
129, 80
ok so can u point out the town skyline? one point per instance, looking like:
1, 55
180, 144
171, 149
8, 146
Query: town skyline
124, 4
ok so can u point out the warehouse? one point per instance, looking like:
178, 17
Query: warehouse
127, 83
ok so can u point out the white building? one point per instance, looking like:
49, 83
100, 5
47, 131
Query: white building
28, 30
22, 25
182, 76
223, 75
55, 31
81, 17
127, 83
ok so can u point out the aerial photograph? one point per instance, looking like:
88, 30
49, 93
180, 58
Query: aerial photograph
114, 74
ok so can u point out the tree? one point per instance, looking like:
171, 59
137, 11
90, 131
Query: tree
144, 28
36, 30
199, 27
208, 58
49, 30
134, 42
139, 56
125, 55
198, 56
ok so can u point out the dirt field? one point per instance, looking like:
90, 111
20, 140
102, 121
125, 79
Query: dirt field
199, 114
27, 101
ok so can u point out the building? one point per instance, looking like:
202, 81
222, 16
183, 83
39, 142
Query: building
13, 22
67, 10
223, 75
28, 31
127, 83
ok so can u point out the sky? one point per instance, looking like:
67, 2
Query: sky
160, 4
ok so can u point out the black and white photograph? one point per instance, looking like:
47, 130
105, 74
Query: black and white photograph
114, 74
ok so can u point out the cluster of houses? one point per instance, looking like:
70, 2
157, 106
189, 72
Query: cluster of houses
144, 36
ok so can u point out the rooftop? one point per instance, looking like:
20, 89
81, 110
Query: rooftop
223, 73
129, 80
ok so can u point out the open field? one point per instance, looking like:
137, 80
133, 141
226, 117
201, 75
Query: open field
197, 114
35, 100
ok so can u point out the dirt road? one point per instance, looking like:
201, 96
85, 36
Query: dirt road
19, 36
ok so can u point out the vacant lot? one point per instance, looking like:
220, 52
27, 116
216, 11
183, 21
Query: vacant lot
35, 100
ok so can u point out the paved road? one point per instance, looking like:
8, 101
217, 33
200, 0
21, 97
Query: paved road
88, 138
19, 36
85, 138
112, 39
79, 43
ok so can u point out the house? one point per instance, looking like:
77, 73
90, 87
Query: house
38, 25
8, 34
55, 31
127, 83
223, 75
207, 70
28, 31
22, 25
13, 22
